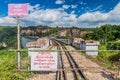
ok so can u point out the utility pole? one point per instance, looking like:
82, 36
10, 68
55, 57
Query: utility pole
18, 43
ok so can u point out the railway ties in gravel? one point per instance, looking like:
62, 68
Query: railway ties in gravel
78, 74
60, 75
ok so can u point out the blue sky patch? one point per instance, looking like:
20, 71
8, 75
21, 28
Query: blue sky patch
80, 13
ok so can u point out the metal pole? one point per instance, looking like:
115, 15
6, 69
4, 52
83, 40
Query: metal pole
18, 41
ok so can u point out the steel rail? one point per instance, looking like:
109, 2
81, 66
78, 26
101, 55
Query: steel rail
73, 63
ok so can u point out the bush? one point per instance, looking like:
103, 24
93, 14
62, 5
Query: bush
8, 66
114, 45
102, 55
108, 59
114, 57
1, 48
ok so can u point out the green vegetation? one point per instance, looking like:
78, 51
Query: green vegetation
8, 35
104, 33
8, 66
110, 59
39, 33
114, 45
107, 59
108, 35
1, 47
109, 38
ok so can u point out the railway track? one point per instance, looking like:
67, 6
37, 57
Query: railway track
70, 65
62, 75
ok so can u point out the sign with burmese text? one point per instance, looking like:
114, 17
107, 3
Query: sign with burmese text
17, 10
44, 61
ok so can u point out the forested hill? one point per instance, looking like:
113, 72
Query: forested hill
8, 35
108, 32
108, 35
57, 31
104, 33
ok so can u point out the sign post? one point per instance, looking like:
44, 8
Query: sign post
18, 10
18, 39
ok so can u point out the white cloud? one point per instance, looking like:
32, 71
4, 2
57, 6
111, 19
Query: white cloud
115, 14
82, 7
93, 17
73, 6
8, 21
72, 12
84, 3
98, 18
33, 8
97, 8
59, 1
51, 17
65, 6
59, 17
81, 2
69, 6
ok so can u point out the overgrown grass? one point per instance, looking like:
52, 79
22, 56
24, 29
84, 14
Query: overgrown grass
8, 66
108, 59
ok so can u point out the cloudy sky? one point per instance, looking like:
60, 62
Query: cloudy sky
80, 13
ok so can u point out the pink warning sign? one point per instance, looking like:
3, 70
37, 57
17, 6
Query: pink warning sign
15, 10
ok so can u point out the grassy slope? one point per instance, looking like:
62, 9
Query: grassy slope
8, 66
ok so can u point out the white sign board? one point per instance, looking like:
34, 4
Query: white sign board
44, 61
